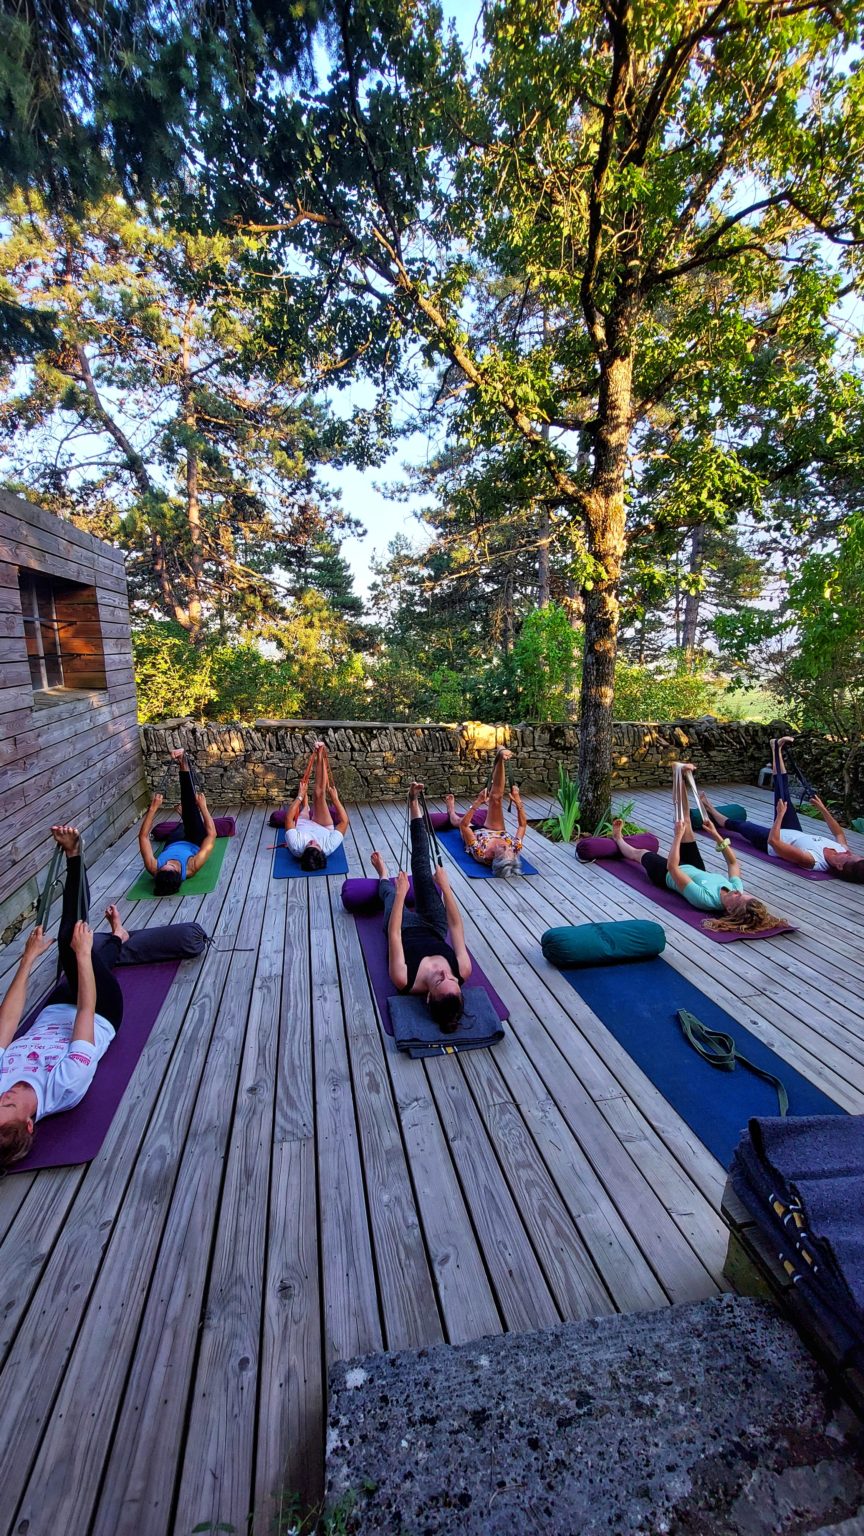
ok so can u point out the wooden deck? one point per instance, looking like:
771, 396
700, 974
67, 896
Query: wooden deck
280, 1189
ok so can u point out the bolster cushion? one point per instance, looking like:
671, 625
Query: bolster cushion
607, 848
361, 896
441, 821
731, 812
279, 818
166, 831
603, 943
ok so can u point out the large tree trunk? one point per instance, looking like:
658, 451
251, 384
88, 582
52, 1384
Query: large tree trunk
193, 501
543, 557
692, 599
605, 519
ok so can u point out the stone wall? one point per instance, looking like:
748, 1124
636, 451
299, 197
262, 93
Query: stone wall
260, 764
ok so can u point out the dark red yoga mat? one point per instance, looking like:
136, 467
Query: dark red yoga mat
767, 858
75, 1135
633, 875
373, 942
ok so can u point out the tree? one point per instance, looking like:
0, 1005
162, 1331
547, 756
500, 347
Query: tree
157, 416
601, 155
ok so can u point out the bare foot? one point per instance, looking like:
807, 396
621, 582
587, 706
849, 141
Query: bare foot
179, 756
505, 753
379, 866
113, 915
415, 790
450, 801
785, 741
68, 839
617, 828
319, 746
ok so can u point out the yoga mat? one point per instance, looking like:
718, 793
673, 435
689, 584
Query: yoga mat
203, 880
638, 1005
452, 841
286, 867
767, 858
373, 942
75, 1135
633, 875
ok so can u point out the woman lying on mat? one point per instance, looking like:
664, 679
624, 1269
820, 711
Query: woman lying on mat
684, 871
184, 857
51, 1067
312, 838
420, 959
786, 840
492, 844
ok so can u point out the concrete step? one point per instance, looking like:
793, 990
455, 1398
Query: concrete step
691, 1420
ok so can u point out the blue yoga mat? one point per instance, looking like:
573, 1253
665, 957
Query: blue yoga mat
452, 841
286, 867
638, 1004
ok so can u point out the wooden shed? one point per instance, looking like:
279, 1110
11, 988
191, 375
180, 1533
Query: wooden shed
69, 746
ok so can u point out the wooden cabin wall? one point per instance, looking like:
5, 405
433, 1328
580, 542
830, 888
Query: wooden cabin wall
71, 753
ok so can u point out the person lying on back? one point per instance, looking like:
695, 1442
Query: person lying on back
313, 836
183, 857
421, 959
52, 1065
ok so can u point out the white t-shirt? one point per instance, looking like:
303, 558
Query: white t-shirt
809, 842
58, 1071
306, 832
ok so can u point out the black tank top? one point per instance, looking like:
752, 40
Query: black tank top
417, 944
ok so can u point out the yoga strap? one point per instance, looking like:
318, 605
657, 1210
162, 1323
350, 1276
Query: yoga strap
719, 1050
52, 880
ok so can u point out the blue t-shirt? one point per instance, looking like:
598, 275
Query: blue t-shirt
703, 890
182, 852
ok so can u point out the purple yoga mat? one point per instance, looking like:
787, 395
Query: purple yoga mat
373, 942
633, 875
75, 1135
747, 847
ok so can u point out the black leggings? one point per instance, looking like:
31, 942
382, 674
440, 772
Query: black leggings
757, 835
657, 868
109, 998
194, 829
428, 903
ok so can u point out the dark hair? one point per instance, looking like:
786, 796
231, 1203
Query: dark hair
446, 1011
167, 881
851, 869
313, 858
15, 1142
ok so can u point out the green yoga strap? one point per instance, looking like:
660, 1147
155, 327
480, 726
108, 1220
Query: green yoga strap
52, 880
719, 1050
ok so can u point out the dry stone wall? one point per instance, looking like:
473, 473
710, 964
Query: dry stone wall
259, 764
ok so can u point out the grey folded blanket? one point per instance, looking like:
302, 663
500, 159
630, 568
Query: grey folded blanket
416, 1032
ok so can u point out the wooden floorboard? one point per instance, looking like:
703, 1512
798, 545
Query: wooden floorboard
281, 1189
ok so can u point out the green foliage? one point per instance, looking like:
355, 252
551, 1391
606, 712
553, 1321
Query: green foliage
172, 677
625, 811
563, 827
545, 664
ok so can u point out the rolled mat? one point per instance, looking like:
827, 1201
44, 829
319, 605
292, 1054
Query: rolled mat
732, 812
203, 880
633, 875
744, 846
452, 841
75, 1135
287, 867
373, 942
166, 831
639, 1003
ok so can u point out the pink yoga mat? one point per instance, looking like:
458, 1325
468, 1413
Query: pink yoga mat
75, 1135
633, 875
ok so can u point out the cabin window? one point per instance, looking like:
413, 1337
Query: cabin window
63, 634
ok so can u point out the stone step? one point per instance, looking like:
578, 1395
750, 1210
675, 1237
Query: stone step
691, 1420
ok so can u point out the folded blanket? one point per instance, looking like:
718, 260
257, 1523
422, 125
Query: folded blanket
416, 1032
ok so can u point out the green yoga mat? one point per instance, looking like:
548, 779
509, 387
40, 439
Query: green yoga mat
204, 880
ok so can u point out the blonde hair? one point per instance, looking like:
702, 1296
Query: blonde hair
753, 917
